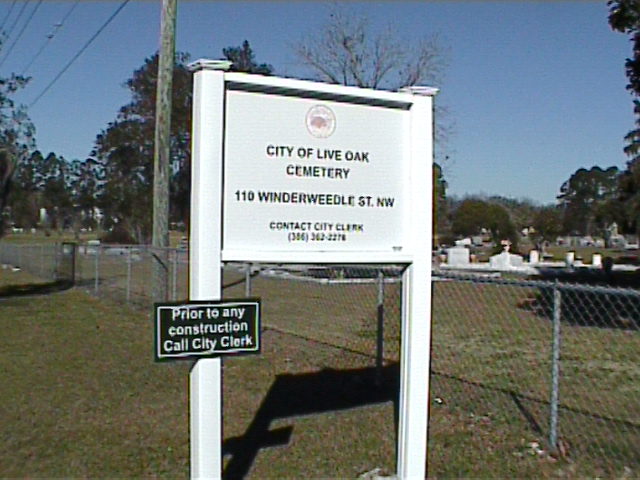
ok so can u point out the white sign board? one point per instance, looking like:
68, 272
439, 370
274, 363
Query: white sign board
304, 174
290, 171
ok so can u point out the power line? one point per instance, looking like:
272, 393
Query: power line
24, 27
80, 52
17, 19
8, 14
50, 37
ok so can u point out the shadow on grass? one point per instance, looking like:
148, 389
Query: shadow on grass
596, 439
293, 395
11, 291
616, 308
517, 398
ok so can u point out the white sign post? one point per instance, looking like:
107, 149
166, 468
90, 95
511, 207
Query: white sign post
289, 171
204, 267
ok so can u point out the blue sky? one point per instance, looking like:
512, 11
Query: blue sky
535, 90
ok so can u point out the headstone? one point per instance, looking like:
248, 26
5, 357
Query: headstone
534, 256
570, 258
465, 242
458, 256
92, 246
476, 240
505, 260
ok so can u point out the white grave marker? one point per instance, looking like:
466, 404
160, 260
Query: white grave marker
291, 171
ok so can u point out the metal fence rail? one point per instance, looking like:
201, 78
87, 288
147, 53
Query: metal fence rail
550, 361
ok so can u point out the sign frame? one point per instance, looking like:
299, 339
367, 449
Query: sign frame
207, 254
363, 148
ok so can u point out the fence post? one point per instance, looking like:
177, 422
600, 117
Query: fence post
97, 272
174, 274
380, 329
56, 261
555, 368
69, 252
128, 273
247, 280
42, 260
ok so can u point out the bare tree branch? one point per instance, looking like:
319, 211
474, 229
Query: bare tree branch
348, 51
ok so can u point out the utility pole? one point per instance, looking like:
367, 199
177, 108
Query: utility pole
160, 238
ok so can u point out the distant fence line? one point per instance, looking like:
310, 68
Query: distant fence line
566, 354
48, 261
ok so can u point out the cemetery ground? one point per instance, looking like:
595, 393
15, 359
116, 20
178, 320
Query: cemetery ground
557, 251
82, 396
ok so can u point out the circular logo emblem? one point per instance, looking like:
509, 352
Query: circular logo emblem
320, 121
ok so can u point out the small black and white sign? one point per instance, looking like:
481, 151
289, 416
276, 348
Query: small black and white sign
206, 329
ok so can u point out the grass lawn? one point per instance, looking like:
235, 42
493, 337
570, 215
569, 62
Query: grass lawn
84, 399
82, 396
10, 278
39, 237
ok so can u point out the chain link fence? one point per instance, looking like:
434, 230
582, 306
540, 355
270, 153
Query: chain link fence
551, 364
50, 262
125, 272
562, 358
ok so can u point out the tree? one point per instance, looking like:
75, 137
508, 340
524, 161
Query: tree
123, 152
547, 225
469, 217
439, 202
499, 223
56, 195
16, 137
624, 17
42, 183
347, 50
84, 185
521, 211
583, 197
474, 215
243, 60
25, 197
66, 190
628, 201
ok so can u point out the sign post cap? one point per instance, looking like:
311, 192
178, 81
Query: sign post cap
420, 90
206, 64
